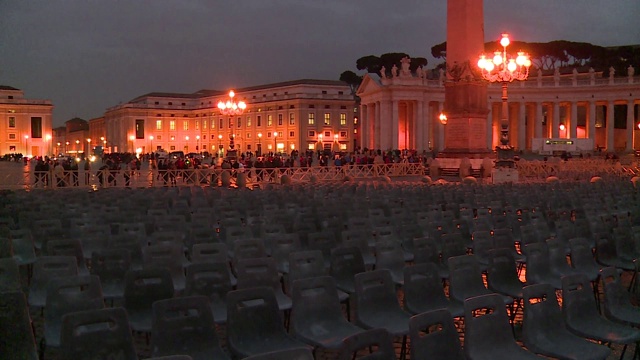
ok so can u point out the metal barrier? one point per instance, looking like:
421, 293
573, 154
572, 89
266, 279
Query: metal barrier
575, 169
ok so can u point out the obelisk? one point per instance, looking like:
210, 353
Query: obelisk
465, 92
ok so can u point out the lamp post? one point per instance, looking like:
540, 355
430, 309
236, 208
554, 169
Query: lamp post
219, 144
231, 108
77, 143
198, 144
57, 148
66, 147
507, 69
186, 143
131, 137
151, 138
259, 144
26, 138
49, 144
320, 142
335, 138
88, 147
275, 144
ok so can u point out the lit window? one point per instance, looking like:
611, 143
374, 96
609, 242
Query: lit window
158, 124
248, 121
197, 125
269, 120
292, 119
12, 121
327, 119
185, 125
312, 146
172, 125
312, 118
204, 124
159, 137
173, 138
248, 135
343, 119
343, 146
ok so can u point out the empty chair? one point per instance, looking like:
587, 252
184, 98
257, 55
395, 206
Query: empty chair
426, 250
211, 280
142, 289
16, 334
46, 268
170, 256
185, 326
377, 304
617, 300
97, 334
9, 275
305, 264
111, 265
324, 241
23, 248
503, 238
130, 244
434, 336
389, 256
582, 259
582, 317
68, 247
66, 295
281, 247
607, 254
262, 272
538, 266
558, 258
502, 277
289, 354
316, 316
544, 331
465, 280
346, 262
376, 344
423, 291
360, 239
6, 247
250, 248
487, 332
245, 335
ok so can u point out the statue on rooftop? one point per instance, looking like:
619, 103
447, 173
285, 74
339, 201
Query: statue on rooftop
394, 71
630, 71
404, 64
383, 72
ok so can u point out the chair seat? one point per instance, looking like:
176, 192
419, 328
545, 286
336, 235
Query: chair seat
113, 290
564, 345
510, 351
141, 321
219, 310
625, 314
602, 330
284, 301
254, 346
395, 322
328, 334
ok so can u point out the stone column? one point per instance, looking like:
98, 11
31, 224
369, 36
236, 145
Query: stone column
573, 124
364, 122
394, 124
440, 129
555, 124
610, 126
537, 125
418, 125
591, 122
385, 124
522, 126
630, 125
490, 126
377, 139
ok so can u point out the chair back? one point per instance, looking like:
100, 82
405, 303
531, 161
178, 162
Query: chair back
378, 339
46, 268
315, 301
16, 334
434, 336
346, 262
486, 324
9, 275
465, 279
144, 287
423, 290
289, 354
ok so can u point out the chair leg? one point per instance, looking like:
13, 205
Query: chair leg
596, 293
403, 350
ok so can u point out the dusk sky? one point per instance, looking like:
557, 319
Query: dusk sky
88, 55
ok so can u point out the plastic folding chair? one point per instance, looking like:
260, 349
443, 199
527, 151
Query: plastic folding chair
23, 247
262, 272
581, 315
426, 250
617, 300
346, 262
16, 334
316, 316
465, 280
245, 335
607, 254
423, 291
281, 247
211, 280
558, 258
377, 305
487, 332
582, 259
68, 247
111, 265
434, 336
9, 276
538, 266
389, 256
361, 240
289, 354
142, 289
502, 277
45, 269
544, 331
97, 334
185, 326
170, 256
66, 295
378, 344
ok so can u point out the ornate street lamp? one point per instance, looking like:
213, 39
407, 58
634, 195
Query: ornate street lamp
198, 143
151, 138
26, 138
88, 147
231, 108
259, 144
275, 144
504, 69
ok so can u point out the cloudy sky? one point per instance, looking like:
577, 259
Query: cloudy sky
88, 55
